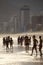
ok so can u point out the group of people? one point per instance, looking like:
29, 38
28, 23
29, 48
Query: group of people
35, 41
27, 42
20, 40
8, 41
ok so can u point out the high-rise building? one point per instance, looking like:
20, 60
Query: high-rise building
37, 23
24, 19
8, 25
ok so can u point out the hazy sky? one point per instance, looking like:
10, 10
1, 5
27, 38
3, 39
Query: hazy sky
12, 6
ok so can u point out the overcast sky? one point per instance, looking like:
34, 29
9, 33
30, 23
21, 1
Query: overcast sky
12, 6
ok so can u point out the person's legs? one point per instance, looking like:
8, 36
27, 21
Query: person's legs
26, 48
40, 52
32, 51
36, 50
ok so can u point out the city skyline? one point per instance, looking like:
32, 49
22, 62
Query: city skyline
10, 13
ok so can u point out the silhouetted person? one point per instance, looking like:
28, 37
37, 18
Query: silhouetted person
7, 43
11, 43
19, 40
9, 39
40, 46
30, 40
4, 41
27, 43
34, 45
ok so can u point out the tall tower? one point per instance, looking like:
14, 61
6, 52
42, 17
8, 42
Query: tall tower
24, 19
37, 23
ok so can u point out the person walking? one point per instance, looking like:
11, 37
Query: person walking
40, 45
34, 45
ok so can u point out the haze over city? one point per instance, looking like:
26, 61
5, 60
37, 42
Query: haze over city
11, 8
8, 7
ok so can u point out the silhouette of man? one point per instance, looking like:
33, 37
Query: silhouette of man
40, 45
27, 42
11, 43
34, 45
4, 41
18, 40
21, 40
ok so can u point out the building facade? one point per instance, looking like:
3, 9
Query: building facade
24, 19
37, 23
8, 25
